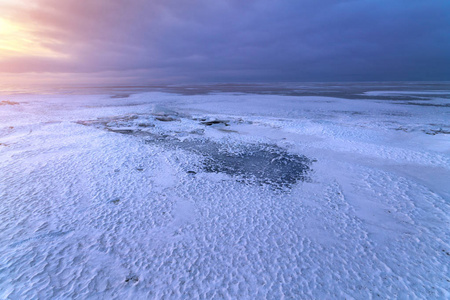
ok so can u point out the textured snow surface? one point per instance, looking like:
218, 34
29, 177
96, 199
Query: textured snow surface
223, 196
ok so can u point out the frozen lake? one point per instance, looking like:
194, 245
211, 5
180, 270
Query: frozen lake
226, 191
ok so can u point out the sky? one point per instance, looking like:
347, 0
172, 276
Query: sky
201, 41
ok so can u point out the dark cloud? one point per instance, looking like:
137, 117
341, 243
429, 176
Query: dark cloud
259, 40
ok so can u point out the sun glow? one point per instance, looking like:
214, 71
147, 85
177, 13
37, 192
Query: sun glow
17, 39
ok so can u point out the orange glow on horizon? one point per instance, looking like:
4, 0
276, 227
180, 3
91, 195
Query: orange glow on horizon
17, 39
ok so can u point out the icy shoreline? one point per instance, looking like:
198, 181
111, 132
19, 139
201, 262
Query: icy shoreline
183, 196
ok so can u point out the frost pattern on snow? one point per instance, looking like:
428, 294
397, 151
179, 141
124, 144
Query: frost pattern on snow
117, 198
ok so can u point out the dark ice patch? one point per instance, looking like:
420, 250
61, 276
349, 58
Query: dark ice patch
263, 165
216, 122
436, 131
123, 131
132, 278
115, 201
252, 163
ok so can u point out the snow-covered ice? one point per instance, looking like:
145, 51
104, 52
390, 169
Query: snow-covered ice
225, 195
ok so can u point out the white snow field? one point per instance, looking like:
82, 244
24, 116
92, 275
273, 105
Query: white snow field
237, 196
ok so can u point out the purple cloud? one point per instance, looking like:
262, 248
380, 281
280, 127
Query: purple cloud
259, 40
